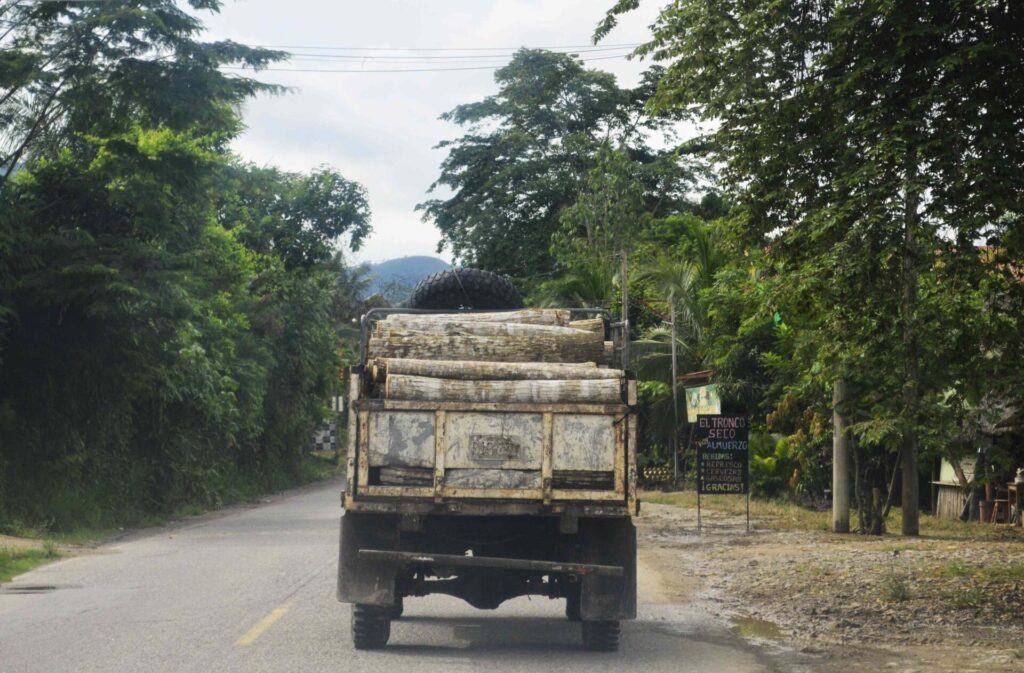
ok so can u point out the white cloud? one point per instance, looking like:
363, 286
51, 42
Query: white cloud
380, 128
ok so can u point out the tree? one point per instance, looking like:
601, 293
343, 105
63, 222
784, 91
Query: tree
525, 157
871, 145
73, 67
297, 218
172, 315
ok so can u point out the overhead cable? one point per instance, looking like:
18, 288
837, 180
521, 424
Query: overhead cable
377, 70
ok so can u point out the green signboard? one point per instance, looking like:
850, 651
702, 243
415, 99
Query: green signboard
702, 400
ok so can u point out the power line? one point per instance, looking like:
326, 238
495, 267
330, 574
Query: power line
554, 48
426, 58
380, 70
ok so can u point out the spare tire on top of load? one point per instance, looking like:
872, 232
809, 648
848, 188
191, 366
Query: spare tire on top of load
459, 288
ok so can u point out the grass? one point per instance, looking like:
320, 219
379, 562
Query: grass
49, 542
82, 532
17, 561
993, 572
775, 513
955, 568
895, 589
974, 597
786, 515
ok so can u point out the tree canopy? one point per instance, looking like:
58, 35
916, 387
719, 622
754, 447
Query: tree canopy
170, 316
526, 154
871, 147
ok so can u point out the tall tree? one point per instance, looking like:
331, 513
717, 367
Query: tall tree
525, 157
73, 67
867, 141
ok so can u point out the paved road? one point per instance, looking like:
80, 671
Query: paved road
253, 590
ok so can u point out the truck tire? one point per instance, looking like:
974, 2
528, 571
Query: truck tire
601, 636
458, 288
398, 608
371, 626
572, 606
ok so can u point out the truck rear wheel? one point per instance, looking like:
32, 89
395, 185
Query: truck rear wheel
601, 636
398, 608
572, 606
371, 626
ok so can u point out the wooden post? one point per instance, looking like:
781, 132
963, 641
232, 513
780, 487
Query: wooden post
624, 273
840, 460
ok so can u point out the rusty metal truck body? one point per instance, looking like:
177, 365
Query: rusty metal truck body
488, 501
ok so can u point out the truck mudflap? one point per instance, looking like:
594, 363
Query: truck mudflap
359, 580
401, 557
605, 597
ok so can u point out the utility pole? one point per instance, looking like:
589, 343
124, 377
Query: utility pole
675, 391
840, 460
624, 273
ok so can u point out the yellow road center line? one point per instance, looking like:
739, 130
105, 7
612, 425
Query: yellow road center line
255, 632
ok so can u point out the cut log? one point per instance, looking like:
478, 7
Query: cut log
516, 371
608, 353
532, 316
578, 347
407, 476
590, 324
601, 391
480, 328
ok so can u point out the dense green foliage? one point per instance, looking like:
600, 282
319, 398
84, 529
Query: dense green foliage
871, 154
869, 147
170, 315
526, 155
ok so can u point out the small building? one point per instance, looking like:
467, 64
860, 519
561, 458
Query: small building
949, 496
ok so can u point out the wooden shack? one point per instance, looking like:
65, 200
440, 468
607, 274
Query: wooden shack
950, 495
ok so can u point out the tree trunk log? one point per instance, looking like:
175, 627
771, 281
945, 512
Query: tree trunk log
590, 324
531, 316
602, 391
460, 369
840, 460
911, 357
580, 347
480, 328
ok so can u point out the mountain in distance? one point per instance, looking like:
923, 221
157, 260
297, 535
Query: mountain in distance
394, 279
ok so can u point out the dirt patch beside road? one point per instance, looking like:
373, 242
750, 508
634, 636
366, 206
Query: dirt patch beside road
938, 603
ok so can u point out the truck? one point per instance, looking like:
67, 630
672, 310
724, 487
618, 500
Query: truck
491, 455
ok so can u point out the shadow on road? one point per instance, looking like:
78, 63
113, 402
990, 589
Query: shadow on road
488, 634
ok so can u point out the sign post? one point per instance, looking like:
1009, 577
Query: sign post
723, 458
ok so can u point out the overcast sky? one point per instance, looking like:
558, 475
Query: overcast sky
380, 128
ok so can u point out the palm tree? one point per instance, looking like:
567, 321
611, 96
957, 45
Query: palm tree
678, 283
590, 283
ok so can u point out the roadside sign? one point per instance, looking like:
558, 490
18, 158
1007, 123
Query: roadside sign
723, 460
702, 400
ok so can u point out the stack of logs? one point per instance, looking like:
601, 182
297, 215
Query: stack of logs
531, 355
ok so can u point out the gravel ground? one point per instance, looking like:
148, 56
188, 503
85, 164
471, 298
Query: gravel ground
938, 603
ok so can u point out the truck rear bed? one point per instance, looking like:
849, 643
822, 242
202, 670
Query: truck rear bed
425, 455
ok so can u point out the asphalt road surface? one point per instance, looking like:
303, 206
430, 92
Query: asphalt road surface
252, 590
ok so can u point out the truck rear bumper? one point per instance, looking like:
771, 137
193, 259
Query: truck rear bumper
488, 507
409, 558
